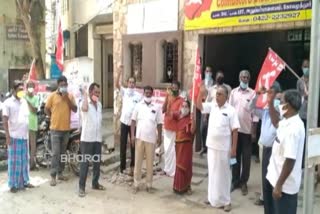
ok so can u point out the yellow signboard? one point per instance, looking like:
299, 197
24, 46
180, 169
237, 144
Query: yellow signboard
201, 14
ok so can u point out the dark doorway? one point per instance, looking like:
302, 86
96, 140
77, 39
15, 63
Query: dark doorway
235, 52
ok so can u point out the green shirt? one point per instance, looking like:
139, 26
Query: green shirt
33, 118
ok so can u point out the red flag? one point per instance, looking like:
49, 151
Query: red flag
59, 50
32, 73
271, 68
194, 91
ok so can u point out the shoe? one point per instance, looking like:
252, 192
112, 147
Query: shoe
99, 187
227, 208
81, 193
258, 202
53, 182
244, 189
206, 202
62, 178
29, 186
13, 190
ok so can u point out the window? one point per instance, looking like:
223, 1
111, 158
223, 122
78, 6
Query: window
81, 39
170, 56
136, 61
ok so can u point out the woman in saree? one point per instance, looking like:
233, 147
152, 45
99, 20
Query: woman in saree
184, 141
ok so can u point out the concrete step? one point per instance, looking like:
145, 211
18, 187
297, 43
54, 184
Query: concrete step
201, 172
197, 180
110, 168
108, 159
200, 162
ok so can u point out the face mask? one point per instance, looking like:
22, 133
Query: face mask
95, 98
175, 93
30, 90
208, 75
63, 90
276, 103
184, 111
281, 111
243, 85
220, 80
147, 99
20, 94
305, 71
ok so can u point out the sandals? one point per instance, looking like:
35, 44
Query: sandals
62, 178
29, 185
13, 190
82, 193
53, 182
99, 187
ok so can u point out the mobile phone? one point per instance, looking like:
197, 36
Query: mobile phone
233, 161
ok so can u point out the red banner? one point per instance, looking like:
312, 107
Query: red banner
59, 46
271, 68
194, 91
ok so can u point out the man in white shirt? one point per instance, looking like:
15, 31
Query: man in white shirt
222, 146
91, 137
147, 117
130, 98
284, 170
15, 123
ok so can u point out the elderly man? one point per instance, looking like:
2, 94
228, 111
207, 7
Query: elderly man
222, 146
240, 99
147, 117
284, 170
267, 135
130, 98
15, 123
170, 107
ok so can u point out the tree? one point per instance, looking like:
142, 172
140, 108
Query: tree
31, 12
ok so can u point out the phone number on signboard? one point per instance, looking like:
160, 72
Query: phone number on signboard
260, 18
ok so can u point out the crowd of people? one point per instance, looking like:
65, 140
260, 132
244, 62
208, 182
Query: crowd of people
228, 127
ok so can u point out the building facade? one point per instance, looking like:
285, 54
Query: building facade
15, 48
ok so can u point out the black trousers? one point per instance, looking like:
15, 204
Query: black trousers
90, 151
124, 134
266, 154
287, 204
241, 170
204, 130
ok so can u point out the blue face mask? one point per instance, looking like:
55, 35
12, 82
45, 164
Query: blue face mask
276, 103
305, 71
208, 75
243, 85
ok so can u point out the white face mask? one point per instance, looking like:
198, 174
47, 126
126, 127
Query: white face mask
184, 111
30, 90
281, 111
148, 99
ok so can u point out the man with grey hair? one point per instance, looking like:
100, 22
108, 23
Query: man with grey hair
222, 146
240, 99
284, 170
267, 135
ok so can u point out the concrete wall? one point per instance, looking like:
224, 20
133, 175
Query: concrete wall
14, 54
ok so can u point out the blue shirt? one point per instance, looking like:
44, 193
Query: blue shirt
268, 131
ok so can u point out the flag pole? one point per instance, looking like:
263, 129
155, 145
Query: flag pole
313, 107
289, 68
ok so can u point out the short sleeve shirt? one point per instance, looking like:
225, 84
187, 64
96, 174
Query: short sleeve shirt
222, 121
130, 98
147, 118
60, 111
33, 118
288, 145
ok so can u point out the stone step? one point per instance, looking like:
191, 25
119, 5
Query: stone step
200, 162
201, 172
110, 168
108, 159
197, 180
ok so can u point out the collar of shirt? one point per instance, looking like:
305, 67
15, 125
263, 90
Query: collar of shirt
225, 105
247, 90
149, 105
287, 121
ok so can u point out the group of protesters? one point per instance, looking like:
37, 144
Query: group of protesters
228, 125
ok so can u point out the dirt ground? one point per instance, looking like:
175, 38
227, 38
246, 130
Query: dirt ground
119, 199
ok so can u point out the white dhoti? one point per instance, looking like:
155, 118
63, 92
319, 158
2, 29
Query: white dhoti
219, 179
169, 152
